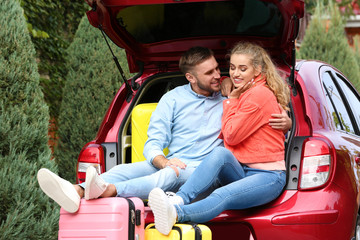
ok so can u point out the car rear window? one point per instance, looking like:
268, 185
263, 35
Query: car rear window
160, 22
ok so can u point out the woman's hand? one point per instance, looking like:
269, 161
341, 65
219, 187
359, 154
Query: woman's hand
240, 89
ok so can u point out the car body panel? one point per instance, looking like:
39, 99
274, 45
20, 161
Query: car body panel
322, 124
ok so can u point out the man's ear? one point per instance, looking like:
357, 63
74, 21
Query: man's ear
190, 77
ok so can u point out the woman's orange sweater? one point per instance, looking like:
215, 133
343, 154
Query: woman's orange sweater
245, 126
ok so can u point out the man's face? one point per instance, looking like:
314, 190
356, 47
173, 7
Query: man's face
205, 77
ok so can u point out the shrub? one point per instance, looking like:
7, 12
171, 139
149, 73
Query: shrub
326, 40
26, 213
91, 84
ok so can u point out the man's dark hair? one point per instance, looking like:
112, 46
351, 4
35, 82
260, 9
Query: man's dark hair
193, 57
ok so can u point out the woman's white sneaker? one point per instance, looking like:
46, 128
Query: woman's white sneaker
58, 189
94, 184
174, 199
164, 211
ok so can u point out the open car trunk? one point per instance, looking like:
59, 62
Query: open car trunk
156, 32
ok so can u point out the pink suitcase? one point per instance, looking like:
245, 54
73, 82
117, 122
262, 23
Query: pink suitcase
104, 218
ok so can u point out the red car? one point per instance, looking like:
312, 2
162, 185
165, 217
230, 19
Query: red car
321, 198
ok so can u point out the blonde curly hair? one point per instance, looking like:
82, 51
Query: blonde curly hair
259, 57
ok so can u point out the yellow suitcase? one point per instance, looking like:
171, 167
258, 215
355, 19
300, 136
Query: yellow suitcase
140, 119
180, 231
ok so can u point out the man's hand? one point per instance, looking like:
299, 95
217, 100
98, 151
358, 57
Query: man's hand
174, 163
281, 121
162, 162
226, 87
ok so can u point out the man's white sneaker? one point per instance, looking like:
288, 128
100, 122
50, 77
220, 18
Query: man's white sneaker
58, 189
164, 212
94, 184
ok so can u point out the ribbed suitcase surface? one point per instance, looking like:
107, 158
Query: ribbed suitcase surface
104, 218
180, 231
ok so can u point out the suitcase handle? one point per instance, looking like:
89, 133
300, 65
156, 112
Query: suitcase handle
198, 234
138, 217
131, 219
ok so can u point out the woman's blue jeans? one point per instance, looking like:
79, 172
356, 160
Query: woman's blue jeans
242, 187
138, 179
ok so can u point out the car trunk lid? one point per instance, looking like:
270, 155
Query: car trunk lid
156, 32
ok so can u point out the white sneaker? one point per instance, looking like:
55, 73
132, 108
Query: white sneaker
58, 189
164, 212
94, 184
174, 199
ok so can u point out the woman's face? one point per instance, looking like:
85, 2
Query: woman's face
241, 69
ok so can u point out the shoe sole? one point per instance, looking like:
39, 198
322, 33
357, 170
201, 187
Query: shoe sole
159, 202
50, 186
90, 176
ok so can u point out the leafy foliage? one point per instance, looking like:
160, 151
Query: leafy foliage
52, 26
26, 213
91, 83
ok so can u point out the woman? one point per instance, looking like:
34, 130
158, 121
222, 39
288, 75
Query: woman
251, 167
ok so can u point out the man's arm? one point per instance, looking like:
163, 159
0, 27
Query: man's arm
159, 130
159, 136
281, 121
160, 161
226, 86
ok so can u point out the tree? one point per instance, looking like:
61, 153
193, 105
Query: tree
347, 6
91, 83
326, 40
52, 26
26, 213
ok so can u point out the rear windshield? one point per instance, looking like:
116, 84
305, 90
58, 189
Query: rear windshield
159, 22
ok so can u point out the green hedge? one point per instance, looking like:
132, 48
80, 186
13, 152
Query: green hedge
326, 40
91, 84
52, 26
26, 213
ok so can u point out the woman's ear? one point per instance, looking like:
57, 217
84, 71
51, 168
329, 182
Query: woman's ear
258, 71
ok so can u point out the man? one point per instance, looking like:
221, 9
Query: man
187, 120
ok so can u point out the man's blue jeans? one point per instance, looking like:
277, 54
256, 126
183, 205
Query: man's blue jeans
242, 187
138, 179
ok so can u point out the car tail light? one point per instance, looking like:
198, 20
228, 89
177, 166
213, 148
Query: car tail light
316, 163
91, 155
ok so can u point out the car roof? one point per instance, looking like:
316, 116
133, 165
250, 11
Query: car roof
157, 32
